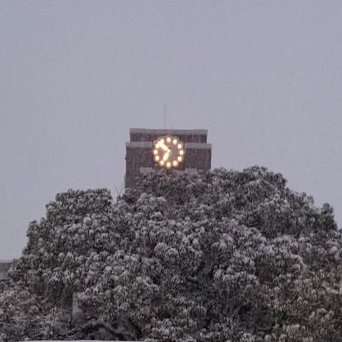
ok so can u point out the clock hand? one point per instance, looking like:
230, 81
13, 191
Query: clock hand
164, 147
166, 155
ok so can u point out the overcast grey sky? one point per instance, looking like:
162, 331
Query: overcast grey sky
264, 77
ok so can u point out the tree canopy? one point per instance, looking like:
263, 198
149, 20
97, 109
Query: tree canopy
197, 257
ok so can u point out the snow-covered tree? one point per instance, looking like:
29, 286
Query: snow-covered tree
217, 256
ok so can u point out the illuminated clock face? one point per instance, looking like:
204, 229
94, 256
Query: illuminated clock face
168, 152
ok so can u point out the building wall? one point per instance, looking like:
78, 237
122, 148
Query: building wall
139, 151
193, 135
137, 156
4, 267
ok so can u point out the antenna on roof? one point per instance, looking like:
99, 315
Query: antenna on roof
164, 116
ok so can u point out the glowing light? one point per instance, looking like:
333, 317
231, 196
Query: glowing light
164, 147
166, 156
168, 151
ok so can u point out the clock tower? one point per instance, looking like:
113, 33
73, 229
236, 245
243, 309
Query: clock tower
177, 149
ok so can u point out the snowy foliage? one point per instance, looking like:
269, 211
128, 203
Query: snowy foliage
221, 256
